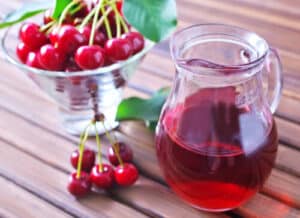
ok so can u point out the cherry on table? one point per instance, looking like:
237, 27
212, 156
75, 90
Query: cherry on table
137, 41
31, 35
126, 175
79, 187
118, 49
89, 57
23, 51
125, 152
104, 179
68, 39
88, 159
33, 60
51, 58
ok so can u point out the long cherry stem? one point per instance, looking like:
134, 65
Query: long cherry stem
118, 19
107, 25
99, 147
113, 144
101, 20
81, 149
91, 42
87, 18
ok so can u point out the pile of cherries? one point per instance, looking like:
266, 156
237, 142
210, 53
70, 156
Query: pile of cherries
85, 37
101, 175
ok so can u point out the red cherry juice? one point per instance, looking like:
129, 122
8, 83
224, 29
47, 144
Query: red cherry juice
214, 155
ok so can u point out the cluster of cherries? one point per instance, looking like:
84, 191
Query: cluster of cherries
101, 175
85, 37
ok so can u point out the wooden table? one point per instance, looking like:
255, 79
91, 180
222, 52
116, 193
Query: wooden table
34, 149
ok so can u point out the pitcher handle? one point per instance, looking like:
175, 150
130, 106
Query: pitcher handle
274, 78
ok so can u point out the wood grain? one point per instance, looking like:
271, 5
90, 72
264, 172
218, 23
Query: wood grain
39, 148
17, 202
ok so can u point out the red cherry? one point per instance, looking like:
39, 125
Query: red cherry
89, 57
68, 39
33, 60
88, 159
124, 151
23, 51
79, 187
30, 34
51, 58
99, 38
102, 179
48, 16
53, 35
137, 41
118, 49
126, 175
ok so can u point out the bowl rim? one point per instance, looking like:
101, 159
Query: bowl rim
101, 70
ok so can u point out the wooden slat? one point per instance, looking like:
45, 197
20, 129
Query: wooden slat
50, 184
17, 202
55, 151
215, 11
139, 150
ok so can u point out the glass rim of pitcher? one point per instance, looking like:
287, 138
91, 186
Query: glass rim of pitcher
241, 68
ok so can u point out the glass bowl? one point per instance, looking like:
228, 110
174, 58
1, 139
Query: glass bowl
79, 95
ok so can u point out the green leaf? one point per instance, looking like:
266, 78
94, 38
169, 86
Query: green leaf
26, 11
142, 109
59, 7
155, 19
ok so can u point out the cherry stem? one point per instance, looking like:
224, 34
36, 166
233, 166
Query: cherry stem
111, 141
125, 27
107, 26
87, 18
66, 10
47, 26
92, 36
99, 147
101, 20
118, 18
81, 149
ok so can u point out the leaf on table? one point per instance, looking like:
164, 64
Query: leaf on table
155, 19
26, 11
135, 108
59, 7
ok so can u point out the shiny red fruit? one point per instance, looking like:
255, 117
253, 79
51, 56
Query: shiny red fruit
30, 34
118, 49
79, 187
99, 38
89, 57
88, 159
51, 58
104, 179
68, 39
23, 51
33, 60
137, 41
125, 152
126, 175
53, 35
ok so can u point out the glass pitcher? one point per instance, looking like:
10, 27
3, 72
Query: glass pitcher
216, 139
